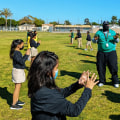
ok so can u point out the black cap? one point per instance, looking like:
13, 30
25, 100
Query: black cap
105, 23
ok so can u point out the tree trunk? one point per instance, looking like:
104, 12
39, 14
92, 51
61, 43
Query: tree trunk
6, 23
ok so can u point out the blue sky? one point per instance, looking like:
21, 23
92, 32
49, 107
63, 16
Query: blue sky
73, 10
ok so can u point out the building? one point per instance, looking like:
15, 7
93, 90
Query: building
47, 27
67, 28
26, 27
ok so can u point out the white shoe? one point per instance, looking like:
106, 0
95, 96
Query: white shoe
116, 85
85, 49
100, 84
91, 49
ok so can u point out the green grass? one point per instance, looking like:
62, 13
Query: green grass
105, 101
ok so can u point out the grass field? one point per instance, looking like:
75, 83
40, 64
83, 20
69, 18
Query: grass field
105, 101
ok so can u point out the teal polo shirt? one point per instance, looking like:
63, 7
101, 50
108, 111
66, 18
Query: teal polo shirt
106, 39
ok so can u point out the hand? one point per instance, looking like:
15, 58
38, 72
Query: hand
91, 81
116, 36
39, 41
96, 38
83, 79
28, 52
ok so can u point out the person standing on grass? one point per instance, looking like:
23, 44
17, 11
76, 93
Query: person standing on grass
18, 74
27, 36
106, 55
71, 37
79, 38
33, 45
35, 34
88, 41
48, 101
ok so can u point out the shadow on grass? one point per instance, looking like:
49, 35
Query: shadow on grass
4, 94
73, 74
114, 117
86, 55
88, 61
114, 97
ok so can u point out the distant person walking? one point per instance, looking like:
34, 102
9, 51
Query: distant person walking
79, 38
106, 55
88, 41
18, 74
71, 37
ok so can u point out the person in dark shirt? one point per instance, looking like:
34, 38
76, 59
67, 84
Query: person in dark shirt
88, 41
79, 38
18, 74
48, 101
34, 45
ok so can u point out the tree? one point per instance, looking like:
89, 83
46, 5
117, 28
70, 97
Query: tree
94, 23
38, 22
13, 22
114, 20
67, 22
25, 20
86, 21
119, 22
54, 23
7, 13
2, 21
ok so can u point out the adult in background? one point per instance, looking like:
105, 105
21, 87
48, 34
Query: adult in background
48, 101
71, 37
79, 38
106, 55
88, 41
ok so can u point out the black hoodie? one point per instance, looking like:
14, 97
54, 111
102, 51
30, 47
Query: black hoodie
50, 104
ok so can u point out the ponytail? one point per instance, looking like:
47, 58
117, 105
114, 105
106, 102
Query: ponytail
14, 45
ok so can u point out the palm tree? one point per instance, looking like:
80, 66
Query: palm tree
86, 21
7, 13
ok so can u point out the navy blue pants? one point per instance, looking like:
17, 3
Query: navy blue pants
107, 59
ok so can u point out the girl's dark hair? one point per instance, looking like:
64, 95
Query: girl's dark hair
14, 45
41, 72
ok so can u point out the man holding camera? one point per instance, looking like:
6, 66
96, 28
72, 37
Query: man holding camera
107, 39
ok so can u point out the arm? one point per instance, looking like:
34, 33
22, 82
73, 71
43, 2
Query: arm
71, 89
18, 58
34, 44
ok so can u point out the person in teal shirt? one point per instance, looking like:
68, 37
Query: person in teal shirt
106, 55
72, 37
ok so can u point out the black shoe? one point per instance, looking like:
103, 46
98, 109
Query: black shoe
16, 107
20, 103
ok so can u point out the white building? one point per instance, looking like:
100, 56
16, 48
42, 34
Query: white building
47, 27
26, 27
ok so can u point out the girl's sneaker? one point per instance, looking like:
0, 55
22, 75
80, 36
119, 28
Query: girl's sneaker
16, 107
20, 103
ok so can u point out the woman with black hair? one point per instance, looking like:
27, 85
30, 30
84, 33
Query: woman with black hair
47, 100
34, 45
18, 74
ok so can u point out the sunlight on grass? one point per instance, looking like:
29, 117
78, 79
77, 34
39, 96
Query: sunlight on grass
105, 101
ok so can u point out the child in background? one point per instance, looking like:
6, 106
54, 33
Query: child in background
79, 38
88, 41
72, 37
18, 74
35, 34
34, 45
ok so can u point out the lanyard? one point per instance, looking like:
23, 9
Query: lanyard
107, 36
